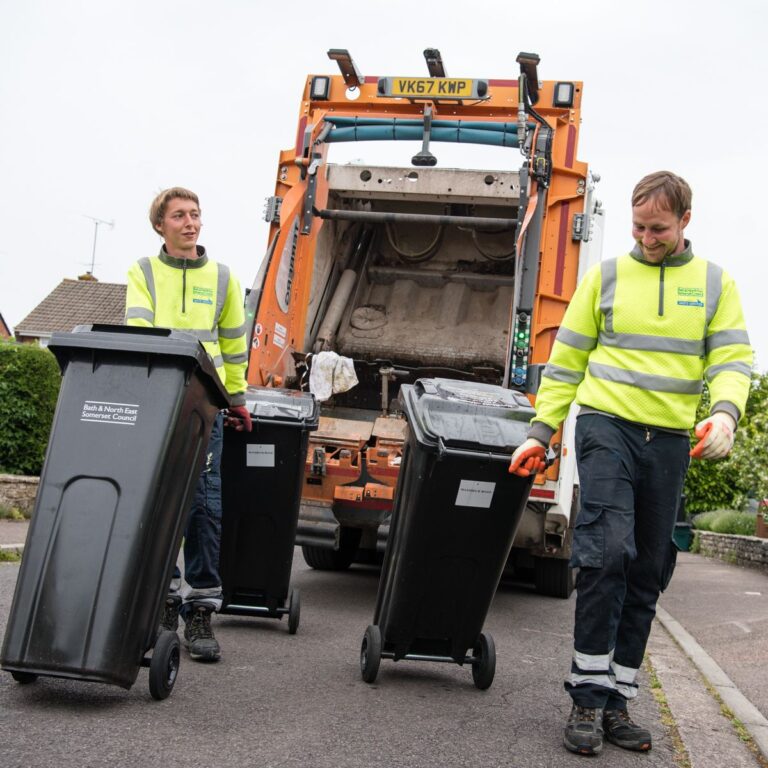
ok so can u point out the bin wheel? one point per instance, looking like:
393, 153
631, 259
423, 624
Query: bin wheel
294, 611
370, 653
484, 668
24, 678
164, 666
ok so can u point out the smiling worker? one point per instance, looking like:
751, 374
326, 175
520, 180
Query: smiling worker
640, 336
181, 288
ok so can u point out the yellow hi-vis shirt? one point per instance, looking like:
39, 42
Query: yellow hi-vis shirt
638, 340
198, 296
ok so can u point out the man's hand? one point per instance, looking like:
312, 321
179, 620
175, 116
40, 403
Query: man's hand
239, 418
528, 459
715, 436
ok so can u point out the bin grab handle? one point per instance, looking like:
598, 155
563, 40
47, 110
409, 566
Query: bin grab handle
443, 450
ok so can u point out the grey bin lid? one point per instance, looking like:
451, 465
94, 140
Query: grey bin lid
466, 414
287, 406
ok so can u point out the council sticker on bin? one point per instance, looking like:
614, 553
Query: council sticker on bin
475, 493
260, 455
99, 411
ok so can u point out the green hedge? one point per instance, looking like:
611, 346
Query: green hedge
726, 521
29, 386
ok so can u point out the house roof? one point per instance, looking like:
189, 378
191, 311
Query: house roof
5, 331
75, 302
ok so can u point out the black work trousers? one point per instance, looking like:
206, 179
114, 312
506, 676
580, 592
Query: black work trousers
631, 478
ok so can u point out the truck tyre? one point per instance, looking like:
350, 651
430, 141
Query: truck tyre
322, 559
553, 577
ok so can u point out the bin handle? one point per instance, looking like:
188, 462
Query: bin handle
443, 450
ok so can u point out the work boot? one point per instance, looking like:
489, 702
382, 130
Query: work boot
621, 731
584, 730
170, 617
198, 635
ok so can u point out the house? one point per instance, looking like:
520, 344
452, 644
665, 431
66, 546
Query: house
70, 303
5, 331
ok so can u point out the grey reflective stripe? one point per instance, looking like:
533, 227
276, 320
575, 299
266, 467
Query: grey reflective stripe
726, 338
608, 291
139, 313
736, 367
232, 333
588, 662
714, 290
149, 278
239, 358
604, 681
646, 380
565, 375
217, 361
652, 343
203, 335
222, 283
577, 340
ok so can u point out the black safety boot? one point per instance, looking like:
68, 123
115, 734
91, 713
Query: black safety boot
621, 731
198, 635
170, 617
584, 730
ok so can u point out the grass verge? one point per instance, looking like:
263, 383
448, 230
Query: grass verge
10, 556
680, 756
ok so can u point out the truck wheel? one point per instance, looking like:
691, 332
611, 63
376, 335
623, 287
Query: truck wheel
370, 653
294, 611
164, 665
322, 559
553, 577
484, 669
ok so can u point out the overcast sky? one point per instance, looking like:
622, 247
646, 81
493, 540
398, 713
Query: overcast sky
105, 103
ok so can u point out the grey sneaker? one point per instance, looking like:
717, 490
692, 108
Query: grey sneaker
198, 636
621, 731
170, 617
584, 730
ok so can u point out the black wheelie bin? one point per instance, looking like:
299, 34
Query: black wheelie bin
262, 473
455, 514
128, 441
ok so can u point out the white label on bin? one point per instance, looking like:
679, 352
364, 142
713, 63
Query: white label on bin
475, 493
123, 414
260, 455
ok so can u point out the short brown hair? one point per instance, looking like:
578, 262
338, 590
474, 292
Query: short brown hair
670, 191
160, 203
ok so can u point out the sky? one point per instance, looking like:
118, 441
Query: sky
105, 103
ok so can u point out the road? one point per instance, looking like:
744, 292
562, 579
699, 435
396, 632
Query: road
289, 701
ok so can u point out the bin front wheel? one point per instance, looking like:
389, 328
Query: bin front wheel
294, 611
24, 678
370, 653
484, 668
164, 666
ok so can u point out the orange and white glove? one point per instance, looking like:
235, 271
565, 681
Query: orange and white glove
715, 436
529, 458
238, 417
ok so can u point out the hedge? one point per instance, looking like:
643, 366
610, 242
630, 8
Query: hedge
29, 386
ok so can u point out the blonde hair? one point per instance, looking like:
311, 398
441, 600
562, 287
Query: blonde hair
670, 191
160, 203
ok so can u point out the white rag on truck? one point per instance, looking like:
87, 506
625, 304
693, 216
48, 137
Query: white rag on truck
330, 374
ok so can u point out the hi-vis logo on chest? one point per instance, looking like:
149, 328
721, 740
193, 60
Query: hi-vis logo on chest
690, 297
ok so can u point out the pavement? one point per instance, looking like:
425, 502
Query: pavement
708, 651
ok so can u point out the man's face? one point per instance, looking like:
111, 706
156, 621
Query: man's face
658, 231
180, 228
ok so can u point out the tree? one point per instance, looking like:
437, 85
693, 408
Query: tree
727, 484
29, 386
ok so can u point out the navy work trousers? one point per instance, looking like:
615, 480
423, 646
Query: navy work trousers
631, 479
202, 535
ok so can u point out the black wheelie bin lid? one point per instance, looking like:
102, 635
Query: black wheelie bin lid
447, 414
96, 338
284, 407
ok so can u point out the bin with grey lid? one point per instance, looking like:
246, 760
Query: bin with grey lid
454, 518
128, 441
262, 474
